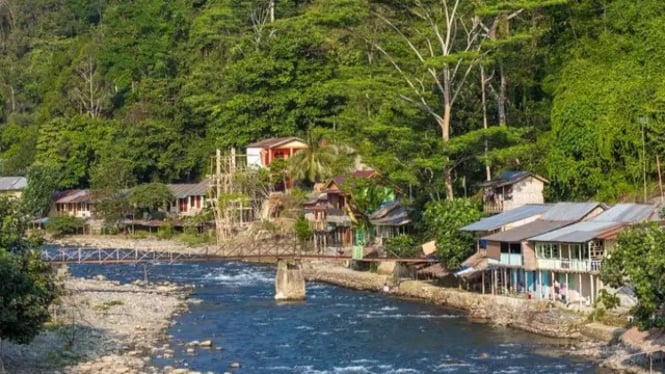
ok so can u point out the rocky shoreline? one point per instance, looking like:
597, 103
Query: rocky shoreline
101, 327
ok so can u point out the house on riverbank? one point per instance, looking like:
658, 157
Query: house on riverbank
13, 186
332, 216
190, 199
75, 203
511, 190
557, 256
510, 256
571, 256
264, 152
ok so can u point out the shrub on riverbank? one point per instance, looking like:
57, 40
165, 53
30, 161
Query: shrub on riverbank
59, 226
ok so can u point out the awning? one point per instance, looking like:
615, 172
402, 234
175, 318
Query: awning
435, 270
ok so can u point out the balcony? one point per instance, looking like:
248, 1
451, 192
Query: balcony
493, 207
569, 265
507, 259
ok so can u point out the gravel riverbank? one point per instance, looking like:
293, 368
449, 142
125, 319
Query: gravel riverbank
101, 327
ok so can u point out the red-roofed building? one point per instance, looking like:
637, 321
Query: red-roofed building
261, 154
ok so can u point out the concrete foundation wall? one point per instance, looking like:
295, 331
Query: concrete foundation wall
289, 281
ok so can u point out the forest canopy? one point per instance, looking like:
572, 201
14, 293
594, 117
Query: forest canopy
434, 94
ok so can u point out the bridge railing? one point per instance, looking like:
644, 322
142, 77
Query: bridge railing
101, 255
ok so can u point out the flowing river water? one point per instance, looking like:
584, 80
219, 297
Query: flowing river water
335, 330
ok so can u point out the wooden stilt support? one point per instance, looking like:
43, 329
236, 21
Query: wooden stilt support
482, 278
579, 276
591, 297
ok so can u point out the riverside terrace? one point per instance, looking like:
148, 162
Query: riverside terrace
554, 256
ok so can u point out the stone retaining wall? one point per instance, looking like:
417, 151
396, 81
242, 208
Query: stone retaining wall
534, 316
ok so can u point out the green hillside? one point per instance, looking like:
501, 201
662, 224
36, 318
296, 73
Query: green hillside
432, 93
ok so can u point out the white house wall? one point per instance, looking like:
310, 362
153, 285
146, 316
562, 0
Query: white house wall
527, 191
254, 157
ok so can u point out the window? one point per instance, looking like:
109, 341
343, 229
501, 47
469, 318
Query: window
547, 250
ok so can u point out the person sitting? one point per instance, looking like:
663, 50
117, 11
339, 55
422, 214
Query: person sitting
562, 294
386, 288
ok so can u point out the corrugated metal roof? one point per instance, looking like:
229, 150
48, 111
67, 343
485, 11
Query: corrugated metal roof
629, 213
529, 230
183, 190
74, 197
511, 177
361, 174
12, 183
502, 219
569, 211
580, 232
395, 217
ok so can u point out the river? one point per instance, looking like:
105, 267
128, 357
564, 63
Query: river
334, 331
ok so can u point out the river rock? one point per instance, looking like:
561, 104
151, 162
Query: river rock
235, 365
206, 343
190, 351
193, 343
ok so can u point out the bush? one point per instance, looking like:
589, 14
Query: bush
402, 246
27, 283
27, 288
166, 231
303, 232
443, 219
64, 225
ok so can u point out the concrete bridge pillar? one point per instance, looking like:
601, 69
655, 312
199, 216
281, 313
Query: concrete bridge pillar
289, 281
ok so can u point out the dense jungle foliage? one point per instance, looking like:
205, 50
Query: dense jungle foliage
434, 94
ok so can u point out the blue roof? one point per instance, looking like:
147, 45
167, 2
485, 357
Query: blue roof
628, 213
497, 221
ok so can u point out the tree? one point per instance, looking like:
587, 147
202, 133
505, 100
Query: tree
367, 196
442, 221
150, 197
38, 194
109, 190
62, 225
445, 48
637, 260
27, 285
608, 104
320, 160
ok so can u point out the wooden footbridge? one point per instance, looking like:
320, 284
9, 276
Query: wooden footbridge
82, 255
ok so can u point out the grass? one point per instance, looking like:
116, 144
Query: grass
194, 239
105, 306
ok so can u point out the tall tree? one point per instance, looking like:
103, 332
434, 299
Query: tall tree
445, 48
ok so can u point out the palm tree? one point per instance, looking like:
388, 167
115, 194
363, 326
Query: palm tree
320, 161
